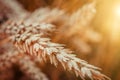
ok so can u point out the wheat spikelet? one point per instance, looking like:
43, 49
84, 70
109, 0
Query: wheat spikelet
32, 41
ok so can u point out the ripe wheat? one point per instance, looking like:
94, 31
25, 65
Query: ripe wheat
30, 35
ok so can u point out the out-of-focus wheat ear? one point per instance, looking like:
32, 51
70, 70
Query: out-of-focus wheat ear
30, 69
81, 18
8, 58
41, 15
83, 15
17, 9
25, 63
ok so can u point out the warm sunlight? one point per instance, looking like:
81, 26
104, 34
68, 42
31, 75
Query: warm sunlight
117, 10
111, 23
59, 39
115, 23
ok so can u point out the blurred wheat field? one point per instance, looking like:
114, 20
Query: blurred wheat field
89, 33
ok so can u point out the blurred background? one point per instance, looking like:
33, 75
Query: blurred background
94, 36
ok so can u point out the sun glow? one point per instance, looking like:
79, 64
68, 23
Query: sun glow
117, 10
113, 22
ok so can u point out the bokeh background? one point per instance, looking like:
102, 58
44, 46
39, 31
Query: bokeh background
98, 41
